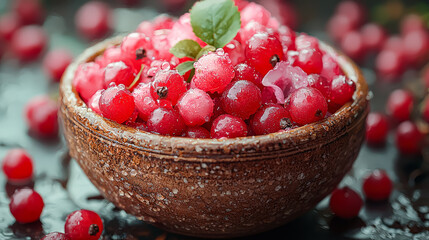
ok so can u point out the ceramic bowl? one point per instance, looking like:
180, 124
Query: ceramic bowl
208, 187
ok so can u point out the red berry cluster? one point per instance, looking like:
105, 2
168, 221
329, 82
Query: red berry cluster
395, 53
267, 79
346, 203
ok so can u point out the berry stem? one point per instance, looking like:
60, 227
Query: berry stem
137, 78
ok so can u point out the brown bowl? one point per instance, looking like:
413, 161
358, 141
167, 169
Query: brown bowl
208, 187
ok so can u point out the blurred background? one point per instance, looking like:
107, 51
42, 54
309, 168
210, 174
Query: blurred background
388, 39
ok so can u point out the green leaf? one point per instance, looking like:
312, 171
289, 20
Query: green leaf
205, 50
185, 67
186, 48
216, 22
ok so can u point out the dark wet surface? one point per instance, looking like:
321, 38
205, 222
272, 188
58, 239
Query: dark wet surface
65, 188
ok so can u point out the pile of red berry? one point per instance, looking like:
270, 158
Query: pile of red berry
251, 76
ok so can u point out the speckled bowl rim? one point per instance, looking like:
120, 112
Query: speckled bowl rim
292, 141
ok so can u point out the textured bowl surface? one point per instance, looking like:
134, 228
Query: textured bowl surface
214, 188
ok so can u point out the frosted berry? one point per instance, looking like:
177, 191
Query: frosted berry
250, 29
26, 205
93, 20
195, 107
243, 71
235, 52
168, 85
41, 116
255, 12
28, 43
144, 102
17, 165
55, 236
408, 138
83, 225
342, 90
117, 104
228, 126
377, 128
166, 122
306, 105
320, 83
400, 104
377, 186
136, 46
287, 37
213, 72
263, 51
56, 62
9, 24
197, 132
373, 36
241, 99
88, 79
94, 102
29, 11
119, 73
304, 41
331, 68
310, 60
345, 203
270, 118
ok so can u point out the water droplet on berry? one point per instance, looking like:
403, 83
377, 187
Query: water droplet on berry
220, 52
165, 66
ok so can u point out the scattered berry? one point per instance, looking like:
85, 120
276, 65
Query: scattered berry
93, 20
26, 205
195, 107
354, 46
41, 116
306, 105
241, 98
408, 138
56, 62
389, 64
9, 24
28, 42
345, 203
228, 126
377, 186
400, 104
17, 165
377, 128
117, 104
166, 122
29, 11
373, 36
83, 225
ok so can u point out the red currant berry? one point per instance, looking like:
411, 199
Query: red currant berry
94, 102
416, 47
408, 138
241, 99
235, 52
310, 60
287, 38
228, 126
117, 104
83, 225
119, 73
255, 12
55, 236
88, 79
56, 62
29, 11
342, 90
263, 51
17, 165
400, 104
9, 24
28, 43
250, 29
243, 71
353, 45
166, 122
26, 205
411, 23
425, 110
304, 41
135, 46
345, 203
373, 36
270, 118
213, 72
355, 11
145, 104
377, 128
389, 64
195, 107
197, 132
41, 116
339, 26
306, 105
377, 186
320, 83
93, 20
168, 85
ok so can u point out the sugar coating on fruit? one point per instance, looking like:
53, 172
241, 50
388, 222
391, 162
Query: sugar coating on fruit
188, 77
